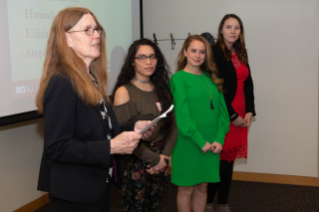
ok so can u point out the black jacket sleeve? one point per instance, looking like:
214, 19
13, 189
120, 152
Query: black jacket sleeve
118, 160
63, 141
227, 72
223, 74
249, 94
76, 155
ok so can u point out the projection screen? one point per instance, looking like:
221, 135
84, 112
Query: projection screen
25, 26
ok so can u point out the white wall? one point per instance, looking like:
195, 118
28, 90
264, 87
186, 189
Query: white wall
20, 156
282, 39
282, 42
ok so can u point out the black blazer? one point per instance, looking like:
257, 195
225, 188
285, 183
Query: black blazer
76, 155
226, 71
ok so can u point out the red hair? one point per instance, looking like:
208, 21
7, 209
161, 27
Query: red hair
209, 64
61, 59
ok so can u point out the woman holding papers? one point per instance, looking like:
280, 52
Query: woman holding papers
82, 139
232, 62
142, 92
202, 122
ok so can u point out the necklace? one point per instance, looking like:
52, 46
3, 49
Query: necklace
141, 81
208, 91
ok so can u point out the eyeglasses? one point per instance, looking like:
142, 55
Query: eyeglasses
90, 31
143, 58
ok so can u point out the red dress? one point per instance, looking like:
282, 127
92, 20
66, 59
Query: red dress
235, 145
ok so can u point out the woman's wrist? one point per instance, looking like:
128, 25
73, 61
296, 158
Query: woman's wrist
112, 150
234, 117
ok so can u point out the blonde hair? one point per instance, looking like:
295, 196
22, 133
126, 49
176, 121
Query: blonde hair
61, 59
208, 65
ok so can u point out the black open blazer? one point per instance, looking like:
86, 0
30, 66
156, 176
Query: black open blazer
226, 71
76, 156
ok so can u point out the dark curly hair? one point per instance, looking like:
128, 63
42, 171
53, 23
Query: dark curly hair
160, 80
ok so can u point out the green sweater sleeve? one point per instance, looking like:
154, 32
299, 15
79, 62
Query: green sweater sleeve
223, 121
185, 124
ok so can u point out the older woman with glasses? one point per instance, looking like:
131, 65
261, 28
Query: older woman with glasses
142, 93
82, 139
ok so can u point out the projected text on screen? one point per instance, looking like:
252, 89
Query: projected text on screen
29, 28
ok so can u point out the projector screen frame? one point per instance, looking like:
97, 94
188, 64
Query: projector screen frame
26, 116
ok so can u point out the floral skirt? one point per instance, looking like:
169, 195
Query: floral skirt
141, 191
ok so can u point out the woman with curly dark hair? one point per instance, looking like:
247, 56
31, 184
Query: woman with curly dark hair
142, 92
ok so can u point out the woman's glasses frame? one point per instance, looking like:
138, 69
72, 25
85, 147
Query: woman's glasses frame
90, 31
143, 58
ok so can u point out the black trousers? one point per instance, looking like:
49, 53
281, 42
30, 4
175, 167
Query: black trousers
103, 205
223, 187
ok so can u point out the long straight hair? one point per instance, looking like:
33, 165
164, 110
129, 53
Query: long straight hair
208, 65
61, 59
239, 44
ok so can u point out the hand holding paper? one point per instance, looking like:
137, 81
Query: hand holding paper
163, 115
139, 125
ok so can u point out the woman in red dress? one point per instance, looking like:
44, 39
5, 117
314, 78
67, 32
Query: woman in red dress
232, 63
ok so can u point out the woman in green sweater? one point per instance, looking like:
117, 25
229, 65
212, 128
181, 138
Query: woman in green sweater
202, 120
